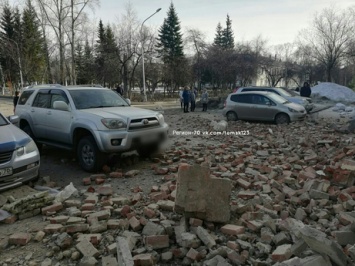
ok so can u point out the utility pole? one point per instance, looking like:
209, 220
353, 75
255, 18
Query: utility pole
142, 38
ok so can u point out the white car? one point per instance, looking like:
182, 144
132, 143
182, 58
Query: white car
304, 101
262, 106
19, 156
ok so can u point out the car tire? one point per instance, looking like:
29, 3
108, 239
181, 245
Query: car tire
282, 119
27, 129
232, 116
90, 158
148, 150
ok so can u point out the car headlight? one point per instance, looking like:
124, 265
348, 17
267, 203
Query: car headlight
160, 118
113, 123
28, 148
292, 110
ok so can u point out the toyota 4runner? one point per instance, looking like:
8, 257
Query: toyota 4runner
94, 122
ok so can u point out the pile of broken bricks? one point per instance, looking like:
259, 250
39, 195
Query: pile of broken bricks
272, 198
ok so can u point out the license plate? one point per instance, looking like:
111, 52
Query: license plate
148, 138
6, 171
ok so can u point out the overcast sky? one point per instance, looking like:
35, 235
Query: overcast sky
278, 21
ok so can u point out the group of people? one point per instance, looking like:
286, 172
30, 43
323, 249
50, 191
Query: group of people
188, 99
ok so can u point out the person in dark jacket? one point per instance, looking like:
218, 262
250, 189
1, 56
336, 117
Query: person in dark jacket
305, 90
16, 99
192, 100
186, 99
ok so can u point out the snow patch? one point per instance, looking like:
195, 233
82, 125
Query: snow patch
333, 92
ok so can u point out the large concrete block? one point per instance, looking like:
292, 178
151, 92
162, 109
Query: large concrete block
201, 196
319, 242
124, 256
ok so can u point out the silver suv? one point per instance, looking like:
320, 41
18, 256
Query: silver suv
94, 122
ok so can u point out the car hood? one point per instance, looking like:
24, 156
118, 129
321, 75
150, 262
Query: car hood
124, 112
297, 99
295, 106
12, 137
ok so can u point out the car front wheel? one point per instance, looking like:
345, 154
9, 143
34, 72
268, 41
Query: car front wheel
282, 119
91, 159
232, 116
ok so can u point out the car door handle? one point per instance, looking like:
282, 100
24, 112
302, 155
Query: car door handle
49, 113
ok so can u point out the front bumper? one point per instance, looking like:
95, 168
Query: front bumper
20, 175
297, 116
122, 141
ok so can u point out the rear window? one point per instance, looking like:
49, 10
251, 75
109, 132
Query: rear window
250, 89
241, 98
24, 97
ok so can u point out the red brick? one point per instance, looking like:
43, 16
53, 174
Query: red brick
11, 219
116, 175
136, 198
157, 242
195, 222
105, 190
231, 229
87, 181
233, 245
194, 255
158, 196
52, 208
88, 207
53, 228
305, 175
135, 224
143, 259
74, 228
343, 196
19, 239
149, 212
125, 210
282, 253
161, 171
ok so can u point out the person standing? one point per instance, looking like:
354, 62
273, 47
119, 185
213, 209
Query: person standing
192, 100
16, 99
305, 90
204, 100
186, 99
119, 90
181, 98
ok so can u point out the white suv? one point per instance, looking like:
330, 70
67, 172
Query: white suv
94, 122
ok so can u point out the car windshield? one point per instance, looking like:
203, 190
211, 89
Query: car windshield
292, 92
284, 93
277, 98
3, 121
96, 98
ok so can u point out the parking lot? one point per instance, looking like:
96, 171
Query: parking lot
271, 145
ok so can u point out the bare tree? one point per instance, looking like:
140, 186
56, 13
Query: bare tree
329, 37
57, 14
196, 39
77, 11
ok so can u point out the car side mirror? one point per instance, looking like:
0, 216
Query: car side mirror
128, 101
60, 105
14, 119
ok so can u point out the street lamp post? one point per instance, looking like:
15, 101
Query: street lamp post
18, 58
142, 37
